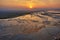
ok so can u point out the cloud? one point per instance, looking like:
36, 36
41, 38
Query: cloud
26, 2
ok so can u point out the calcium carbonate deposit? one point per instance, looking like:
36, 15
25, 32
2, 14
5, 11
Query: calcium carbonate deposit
33, 26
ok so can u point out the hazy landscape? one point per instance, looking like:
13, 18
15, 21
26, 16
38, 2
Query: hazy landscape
29, 19
43, 25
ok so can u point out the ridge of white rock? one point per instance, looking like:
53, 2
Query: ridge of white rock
33, 25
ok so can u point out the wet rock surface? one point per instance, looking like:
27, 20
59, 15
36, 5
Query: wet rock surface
30, 27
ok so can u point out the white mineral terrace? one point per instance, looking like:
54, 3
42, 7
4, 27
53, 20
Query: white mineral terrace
54, 11
30, 27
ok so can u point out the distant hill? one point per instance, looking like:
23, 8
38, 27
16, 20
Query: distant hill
12, 13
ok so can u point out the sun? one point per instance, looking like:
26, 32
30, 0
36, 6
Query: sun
30, 6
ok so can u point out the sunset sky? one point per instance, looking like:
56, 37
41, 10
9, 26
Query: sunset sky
30, 3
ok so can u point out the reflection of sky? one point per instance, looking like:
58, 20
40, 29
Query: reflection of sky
41, 3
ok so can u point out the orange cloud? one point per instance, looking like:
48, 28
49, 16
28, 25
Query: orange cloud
34, 3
